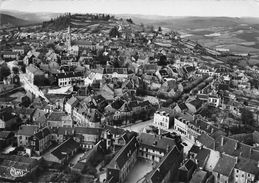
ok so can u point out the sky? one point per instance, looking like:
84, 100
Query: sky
227, 8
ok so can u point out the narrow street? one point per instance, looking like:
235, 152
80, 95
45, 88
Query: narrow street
31, 87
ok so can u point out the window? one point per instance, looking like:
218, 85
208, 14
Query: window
248, 175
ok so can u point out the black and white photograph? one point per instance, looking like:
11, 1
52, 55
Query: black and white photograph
129, 91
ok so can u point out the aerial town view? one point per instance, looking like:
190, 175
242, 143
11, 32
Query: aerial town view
127, 91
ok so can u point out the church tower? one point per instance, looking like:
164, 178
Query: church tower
68, 37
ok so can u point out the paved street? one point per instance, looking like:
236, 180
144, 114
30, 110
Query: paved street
138, 127
31, 87
141, 168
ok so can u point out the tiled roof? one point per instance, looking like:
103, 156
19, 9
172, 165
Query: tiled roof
164, 166
188, 165
206, 140
117, 104
42, 133
202, 156
73, 101
124, 154
65, 148
35, 70
114, 130
198, 176
247, 165
27, 130
87, 130
156, 141
233, 147
56, 116
69, 75
225, 165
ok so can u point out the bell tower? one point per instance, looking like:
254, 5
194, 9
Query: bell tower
68, 37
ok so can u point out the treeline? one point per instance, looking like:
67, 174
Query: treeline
58, 23
63, 21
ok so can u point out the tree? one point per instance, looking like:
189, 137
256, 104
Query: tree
15, 70
247, 117
114, 32
162, 60
26, 101
4, 72
129, 20
159, 29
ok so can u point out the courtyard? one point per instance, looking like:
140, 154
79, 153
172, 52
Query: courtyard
141, 168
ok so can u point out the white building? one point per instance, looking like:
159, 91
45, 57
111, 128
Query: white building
68, 79
214, 100
163, 118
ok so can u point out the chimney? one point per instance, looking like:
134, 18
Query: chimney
222, 141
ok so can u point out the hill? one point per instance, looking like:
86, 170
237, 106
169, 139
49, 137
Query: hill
86, 21
31, 17
8, 20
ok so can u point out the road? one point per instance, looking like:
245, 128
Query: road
138, 127
31, 87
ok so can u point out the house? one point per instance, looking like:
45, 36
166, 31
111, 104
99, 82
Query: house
193, 128
32, 71
234, 147
214, 100
69, 78
63, 152
9, 55
181, 124
166, 170
224, 169
194, 105
84, 44
199, 176
163, 118
186, 170
123, 162
88, 136
24, 133
18, 49
154, 147
15, 168
70, 104
246, 170
112, 135
59, 119
40, 141
149, 69
87, 118
38, 113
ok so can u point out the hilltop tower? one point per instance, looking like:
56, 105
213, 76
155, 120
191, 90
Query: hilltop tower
68, 37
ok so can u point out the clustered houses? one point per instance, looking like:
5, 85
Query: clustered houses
154, 148
79, 92
70, 78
